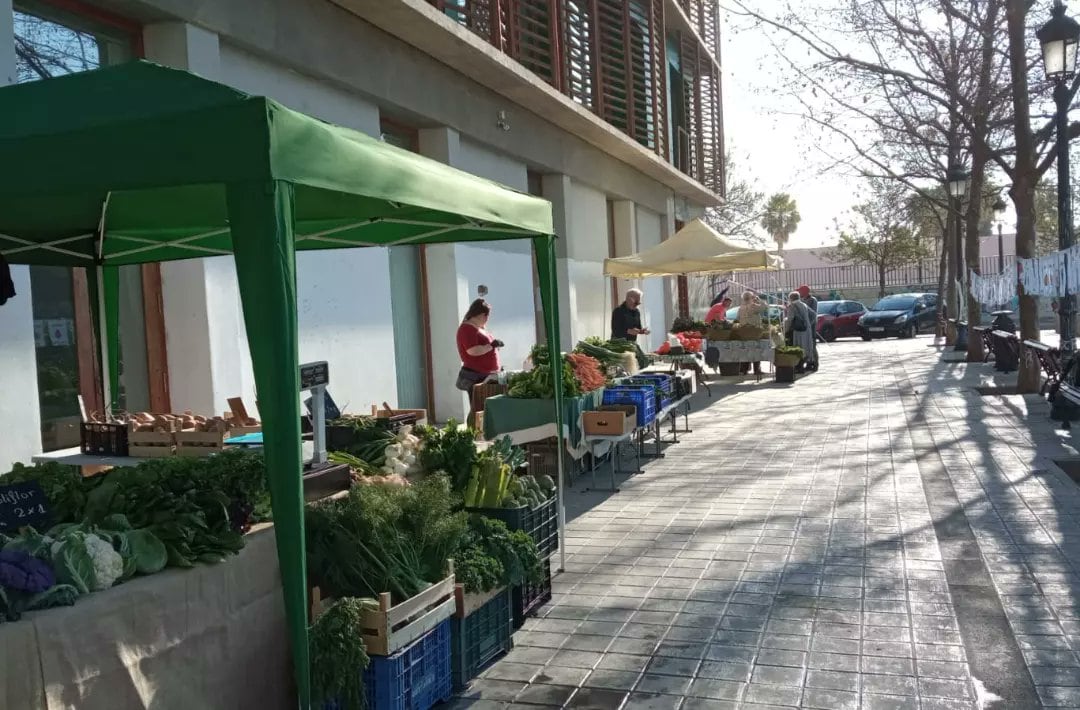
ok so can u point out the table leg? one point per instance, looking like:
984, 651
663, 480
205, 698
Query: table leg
614, 455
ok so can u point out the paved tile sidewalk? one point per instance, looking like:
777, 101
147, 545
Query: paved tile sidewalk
785, 555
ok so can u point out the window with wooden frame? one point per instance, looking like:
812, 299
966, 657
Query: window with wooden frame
54, 38
607, 55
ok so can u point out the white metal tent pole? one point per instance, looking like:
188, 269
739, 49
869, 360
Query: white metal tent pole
103, 343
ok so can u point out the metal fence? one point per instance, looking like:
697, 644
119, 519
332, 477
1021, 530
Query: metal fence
922, 274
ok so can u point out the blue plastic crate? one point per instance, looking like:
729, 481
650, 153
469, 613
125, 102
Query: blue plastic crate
415, 678
644, 398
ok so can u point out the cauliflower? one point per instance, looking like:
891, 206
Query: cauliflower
97, 559
108, 564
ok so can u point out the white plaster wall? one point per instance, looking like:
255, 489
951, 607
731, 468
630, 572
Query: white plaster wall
653, 305
20, 418
255, 75
506, 268
587, 247
343, 296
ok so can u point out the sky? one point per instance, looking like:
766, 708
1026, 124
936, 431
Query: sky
767, 146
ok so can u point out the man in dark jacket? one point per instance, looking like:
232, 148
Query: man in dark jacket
626, 319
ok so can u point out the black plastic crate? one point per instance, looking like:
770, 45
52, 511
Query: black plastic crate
480, 638
541, 522
103, 439
527, 598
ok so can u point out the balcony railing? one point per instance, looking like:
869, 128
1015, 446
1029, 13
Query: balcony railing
610, 56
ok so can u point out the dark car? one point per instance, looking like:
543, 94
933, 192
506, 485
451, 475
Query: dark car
902, 315
839, 319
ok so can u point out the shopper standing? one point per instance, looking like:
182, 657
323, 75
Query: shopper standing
799, 328
479, 352
812, 304
626, 319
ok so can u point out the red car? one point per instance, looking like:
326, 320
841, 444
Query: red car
839, 319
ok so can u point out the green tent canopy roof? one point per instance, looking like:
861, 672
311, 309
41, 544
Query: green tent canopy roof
146, 152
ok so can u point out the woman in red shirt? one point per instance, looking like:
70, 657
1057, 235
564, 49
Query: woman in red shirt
478, 350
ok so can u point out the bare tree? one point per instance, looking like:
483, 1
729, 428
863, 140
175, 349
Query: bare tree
912, 86
881, 235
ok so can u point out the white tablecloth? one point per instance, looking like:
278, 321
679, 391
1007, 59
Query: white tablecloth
743, 350
212, 637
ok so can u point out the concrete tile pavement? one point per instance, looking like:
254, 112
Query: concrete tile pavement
878, 535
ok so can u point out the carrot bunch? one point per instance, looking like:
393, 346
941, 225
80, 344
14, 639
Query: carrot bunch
587, 371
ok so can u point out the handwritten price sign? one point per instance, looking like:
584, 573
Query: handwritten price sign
23, 504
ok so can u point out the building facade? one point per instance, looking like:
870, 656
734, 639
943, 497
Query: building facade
610, 109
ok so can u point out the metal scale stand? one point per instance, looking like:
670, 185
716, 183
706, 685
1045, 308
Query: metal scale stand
321, 478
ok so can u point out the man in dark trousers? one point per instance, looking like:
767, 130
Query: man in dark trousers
626, 319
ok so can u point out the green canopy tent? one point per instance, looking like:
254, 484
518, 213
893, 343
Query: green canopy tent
140, 163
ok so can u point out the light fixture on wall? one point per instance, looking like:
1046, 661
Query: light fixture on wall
481, 290
502, 121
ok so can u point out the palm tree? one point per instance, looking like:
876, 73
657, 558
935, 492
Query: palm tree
781, 218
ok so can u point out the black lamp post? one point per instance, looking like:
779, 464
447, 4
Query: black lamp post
957, 178
1059, 38
999, 208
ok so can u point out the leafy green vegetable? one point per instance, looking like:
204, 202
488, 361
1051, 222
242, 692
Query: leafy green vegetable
74, 565
338, 656
183, 502
379, 539
59, 595
451, 449
64, 486
537, 383
489, 555
147, 551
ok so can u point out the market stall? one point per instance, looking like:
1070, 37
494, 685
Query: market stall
139, 163
699, 249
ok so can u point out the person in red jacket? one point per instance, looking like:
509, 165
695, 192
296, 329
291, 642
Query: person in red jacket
478, 350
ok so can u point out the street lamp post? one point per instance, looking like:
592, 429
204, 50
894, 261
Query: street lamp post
1059, 38
999, 208
957, 178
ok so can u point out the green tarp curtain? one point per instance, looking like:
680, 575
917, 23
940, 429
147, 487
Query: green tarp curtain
139, 163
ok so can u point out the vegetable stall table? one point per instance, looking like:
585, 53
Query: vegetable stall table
687, 361
213, 636
528, 420
670, 411
740, 351
613, 444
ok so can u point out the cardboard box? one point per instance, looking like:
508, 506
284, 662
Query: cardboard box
631, 411
607, 423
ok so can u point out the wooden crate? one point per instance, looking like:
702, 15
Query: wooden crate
394, 627
382, 413
391, 628
200, 443
151, 444
468, 603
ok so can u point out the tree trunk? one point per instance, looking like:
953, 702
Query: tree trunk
943, 270
971, 254
1024, 177
950, 275
881, 280
979, 158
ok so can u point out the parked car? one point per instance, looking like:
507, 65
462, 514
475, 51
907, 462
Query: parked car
839, 319
902, 315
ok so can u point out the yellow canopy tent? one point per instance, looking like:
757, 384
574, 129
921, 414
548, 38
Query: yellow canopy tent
697, 248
